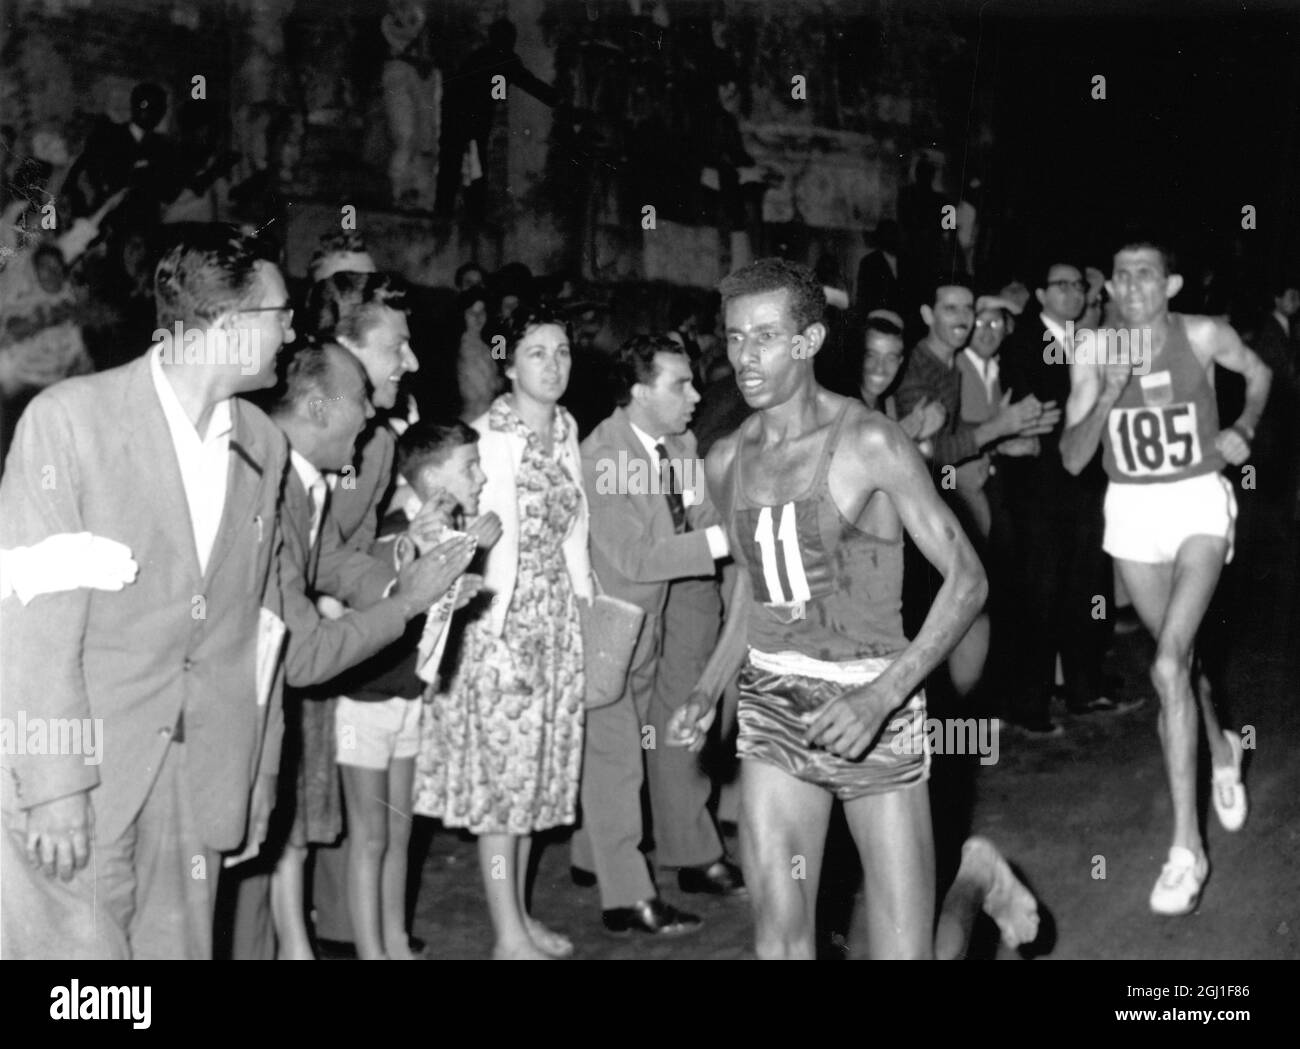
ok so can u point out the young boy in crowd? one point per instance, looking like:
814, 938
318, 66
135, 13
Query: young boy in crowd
379, 717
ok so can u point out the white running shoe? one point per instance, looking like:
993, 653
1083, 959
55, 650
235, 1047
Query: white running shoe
1180, 882
1229, 791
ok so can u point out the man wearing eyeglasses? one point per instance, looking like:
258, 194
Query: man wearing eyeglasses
1057, 524
176, 671
931, 375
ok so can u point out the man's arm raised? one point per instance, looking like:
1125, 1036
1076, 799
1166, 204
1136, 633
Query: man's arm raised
1093, 391
847, 725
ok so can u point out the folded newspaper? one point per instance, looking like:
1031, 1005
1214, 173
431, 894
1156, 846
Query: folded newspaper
433, 640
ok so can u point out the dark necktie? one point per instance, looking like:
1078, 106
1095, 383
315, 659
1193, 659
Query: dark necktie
674, 496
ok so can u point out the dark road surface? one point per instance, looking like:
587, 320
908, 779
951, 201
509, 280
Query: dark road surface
1064, 810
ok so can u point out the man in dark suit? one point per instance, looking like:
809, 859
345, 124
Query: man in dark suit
366, 313
878, 287
653, 528
176, 672
1277, 342
130, 156
322, 410
1057, 520
468, 101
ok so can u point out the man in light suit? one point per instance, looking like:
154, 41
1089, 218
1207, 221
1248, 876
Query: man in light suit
174, 673
652, 523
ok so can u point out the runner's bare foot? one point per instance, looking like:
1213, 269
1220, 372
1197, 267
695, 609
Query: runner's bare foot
523, 950
1006, 900
555, 944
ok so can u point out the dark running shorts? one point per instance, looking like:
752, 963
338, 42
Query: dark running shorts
777, 689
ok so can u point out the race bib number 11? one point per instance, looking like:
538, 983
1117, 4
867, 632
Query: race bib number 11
1155, 442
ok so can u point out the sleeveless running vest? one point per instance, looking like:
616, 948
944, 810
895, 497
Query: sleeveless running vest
1162, 427
821, 586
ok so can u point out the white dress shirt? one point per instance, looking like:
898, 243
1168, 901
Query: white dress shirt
986, 370
1057, 330
314, 481
204, 461
713, 534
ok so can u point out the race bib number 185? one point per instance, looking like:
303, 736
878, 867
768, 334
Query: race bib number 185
1154, 442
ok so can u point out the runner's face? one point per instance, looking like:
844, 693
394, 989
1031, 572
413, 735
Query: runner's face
1139, 285
880, 365
771, 357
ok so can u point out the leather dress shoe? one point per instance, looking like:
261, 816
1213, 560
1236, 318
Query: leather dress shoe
654, 916
716, 879
582, 878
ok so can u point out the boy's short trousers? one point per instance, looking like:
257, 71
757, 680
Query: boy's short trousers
370, 735
1149, 522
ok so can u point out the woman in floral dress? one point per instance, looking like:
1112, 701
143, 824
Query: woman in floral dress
502, 750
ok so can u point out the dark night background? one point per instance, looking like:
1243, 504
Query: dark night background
1199, 119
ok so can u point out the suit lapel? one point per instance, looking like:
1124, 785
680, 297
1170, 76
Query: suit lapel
249, 460
655, 502
297, 517
148, 447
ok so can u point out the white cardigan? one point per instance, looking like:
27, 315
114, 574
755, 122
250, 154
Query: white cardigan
500, 455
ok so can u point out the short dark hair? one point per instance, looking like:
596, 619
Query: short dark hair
335, 242
345, 305
880, 326
951, 280
1282, 283
526, 317
211, 268
310, 371
149, 97
1137, 240
47, 248
467, 298
1050, 262
885, 236
635, 362
807, 299
501, 33
467, 267
430, 443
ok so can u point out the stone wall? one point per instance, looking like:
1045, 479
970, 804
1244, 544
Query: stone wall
874, 98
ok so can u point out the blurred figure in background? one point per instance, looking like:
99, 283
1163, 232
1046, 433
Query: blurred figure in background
477, 375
